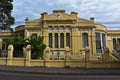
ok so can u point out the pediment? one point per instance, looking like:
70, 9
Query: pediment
60, 16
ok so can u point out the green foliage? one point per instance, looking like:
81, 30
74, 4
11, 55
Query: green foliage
8, 41
15, 41
37, 45
6, 18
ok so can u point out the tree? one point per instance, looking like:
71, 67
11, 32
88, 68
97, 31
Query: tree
37, 46
6, 18
15, 41
18, 43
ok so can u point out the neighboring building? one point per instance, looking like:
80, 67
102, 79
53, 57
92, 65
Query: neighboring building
61, 30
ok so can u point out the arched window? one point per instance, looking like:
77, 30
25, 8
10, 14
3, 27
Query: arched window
98, 43
85, 39
114, 43
50, 40
103, 40
118, 44
56, 40
68, 39
62, 40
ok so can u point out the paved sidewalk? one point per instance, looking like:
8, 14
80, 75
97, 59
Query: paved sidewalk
63, 71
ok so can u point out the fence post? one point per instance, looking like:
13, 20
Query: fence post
46, 55
105, 56
87, 53
67, 56
28, 55
10, 55
87, 57
67, 53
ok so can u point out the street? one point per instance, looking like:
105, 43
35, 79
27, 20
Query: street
25, 76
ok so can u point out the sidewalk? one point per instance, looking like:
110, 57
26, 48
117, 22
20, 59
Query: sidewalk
61, 71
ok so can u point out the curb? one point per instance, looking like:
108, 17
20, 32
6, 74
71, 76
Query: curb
62, 74
60, 71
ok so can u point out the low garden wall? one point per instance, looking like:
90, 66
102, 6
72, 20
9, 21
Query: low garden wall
68, 61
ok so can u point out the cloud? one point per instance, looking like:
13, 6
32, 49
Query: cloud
102, 10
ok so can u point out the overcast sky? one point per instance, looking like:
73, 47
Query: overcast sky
101, 10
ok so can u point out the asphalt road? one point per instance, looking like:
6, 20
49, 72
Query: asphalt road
25, 76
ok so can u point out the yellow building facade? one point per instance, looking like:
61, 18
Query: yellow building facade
61, 30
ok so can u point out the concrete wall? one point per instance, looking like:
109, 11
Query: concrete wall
106, 60
3, 61
36, 62
62, 63
18, 62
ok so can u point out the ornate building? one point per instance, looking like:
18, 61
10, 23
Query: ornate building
61, 30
